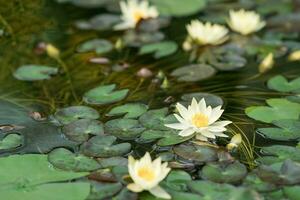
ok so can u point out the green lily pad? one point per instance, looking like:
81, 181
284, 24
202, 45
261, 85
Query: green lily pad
100, 46
254, 182
278, 153
178, 8
286, 173
288, 130
125, 194
131, 110
104, 190
73, 113
279, 109
177, 180
137, 39
81, 129
211, 190
156, 119
194, 72
224, 173
34, 72
210, 99
11, 141
99, 22
196, 153
292, 192
104, 147
112, 162
165, 138
104, 95
160, 49
281, 84
125, 129
23, 180
38, 136
64, 159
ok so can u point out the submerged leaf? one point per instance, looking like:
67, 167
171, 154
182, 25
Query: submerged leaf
34, 72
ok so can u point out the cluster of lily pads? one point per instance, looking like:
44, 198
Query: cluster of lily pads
80, 152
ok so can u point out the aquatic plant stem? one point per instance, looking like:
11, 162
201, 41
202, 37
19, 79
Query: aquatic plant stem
7, 26
66, 70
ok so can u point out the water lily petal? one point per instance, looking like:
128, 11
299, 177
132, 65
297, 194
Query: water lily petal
177, 126
134, 187
186, 132
160, 192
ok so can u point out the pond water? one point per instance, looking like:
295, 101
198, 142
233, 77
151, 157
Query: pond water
90, 144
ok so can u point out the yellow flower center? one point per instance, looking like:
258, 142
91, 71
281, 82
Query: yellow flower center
146, 173
138, 15
200, 120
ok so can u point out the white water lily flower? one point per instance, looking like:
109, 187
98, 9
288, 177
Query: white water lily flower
199, 119
235, 141
206, 33
147, 174
133, 11
245, 22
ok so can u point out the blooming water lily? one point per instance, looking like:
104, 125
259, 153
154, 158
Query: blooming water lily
200, 119
147, 174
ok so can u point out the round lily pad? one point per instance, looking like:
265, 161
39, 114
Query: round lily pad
11, 141
224, 173
104, 147
165, 137
126, 129
160, 49
104, 190
288, 130
104, 95
278, 153
137, 39
73, 113
194, 72
64, 159
131, 110
99, 22
279, 109
80, 130
112, 161
196, 153
210, 99
156, 119
281, 84
98, 45
34, 72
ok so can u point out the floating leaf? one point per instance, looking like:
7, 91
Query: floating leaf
278, 153
104, 190
38, 136
112, 161
125, 129
160, 49
156, 119
196, 153
73, 113
64, 159
81, 129
292, 192
177, 180
224, 173
137, 39
99, 22
11, 141
34, 72
254, 182
166, 138
288, 130
105, 147
131, 110
281, 84
98, 45
210, 99
279, 109
178, 7
37, 180
194, 72
104, 95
